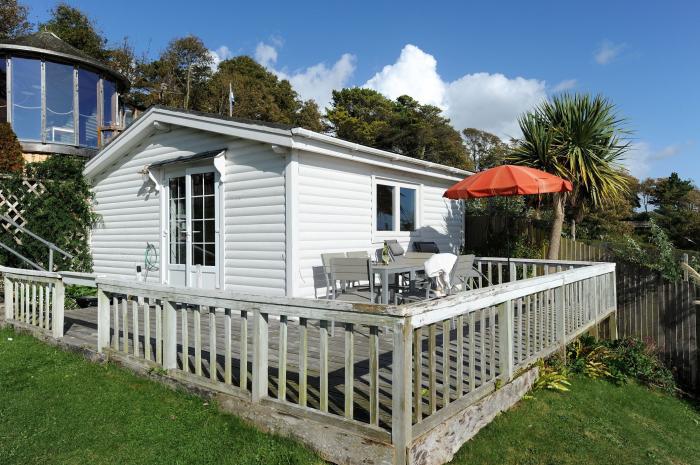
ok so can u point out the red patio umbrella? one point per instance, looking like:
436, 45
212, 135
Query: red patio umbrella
507, 180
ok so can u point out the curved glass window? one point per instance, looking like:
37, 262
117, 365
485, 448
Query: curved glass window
26, 98
109, 108
88, 83
3, 90
60, 125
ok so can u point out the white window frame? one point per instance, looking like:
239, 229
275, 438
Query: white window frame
396, 232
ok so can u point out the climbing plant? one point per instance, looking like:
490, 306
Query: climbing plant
11, 160
61, 214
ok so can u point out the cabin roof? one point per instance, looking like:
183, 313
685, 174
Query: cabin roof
281, 137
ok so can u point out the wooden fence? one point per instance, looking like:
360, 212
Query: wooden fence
407, 376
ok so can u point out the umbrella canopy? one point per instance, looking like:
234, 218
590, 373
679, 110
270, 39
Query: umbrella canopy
507, 180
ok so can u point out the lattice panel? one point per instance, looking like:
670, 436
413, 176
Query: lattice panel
11, 206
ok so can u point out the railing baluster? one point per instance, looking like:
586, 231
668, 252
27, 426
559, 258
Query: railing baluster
445, 362
125, 324
33, 305
212, 344
147, 330
459, 367
472, 353
282, 358
349, 370
135, 320
303, 359
41, 307
418, 373
243, 374
432, 367
159, 333
482, 343
227, 346
492, 331
260, 356
115, 306
185, 337
197, 328
323, 364
374, 375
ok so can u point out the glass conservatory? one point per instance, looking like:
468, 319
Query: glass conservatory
56, 97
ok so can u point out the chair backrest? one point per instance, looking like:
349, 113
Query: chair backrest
327, 257
357, 254
429, 247
350, 269
395, 248
462, 271
414, 257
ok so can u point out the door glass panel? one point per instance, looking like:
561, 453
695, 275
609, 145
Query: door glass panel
203, 235
177, 221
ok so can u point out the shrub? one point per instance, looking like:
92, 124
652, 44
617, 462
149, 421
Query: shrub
11, 159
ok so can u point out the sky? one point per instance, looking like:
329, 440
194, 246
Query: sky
483, 63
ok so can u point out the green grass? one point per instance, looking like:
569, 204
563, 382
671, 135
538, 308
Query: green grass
57, 408
597, 423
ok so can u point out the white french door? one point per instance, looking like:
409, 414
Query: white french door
193, 228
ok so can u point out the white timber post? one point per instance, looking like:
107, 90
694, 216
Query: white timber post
401, 387
512, 272
560, 314
505, 335
9, 299
102, 320
260, 327
58, 302
169, 335
612, 320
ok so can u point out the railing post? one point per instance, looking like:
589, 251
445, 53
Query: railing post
58, 302
401, 386
260, 327
169, 335
560, 314
505, 337
9, 299
102, 320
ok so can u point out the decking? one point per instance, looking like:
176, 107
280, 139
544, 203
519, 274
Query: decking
359, 383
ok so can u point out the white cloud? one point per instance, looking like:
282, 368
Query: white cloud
315, 82
642, 155
491, 102
265, 54
220, 54
566, 84
607, 52
414, 74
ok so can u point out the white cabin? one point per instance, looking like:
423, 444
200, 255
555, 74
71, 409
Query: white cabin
249, 206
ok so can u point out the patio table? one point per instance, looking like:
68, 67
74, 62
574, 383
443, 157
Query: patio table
392, 269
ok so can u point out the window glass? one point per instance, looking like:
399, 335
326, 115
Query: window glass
87, 96
109, 113
178, 221
60, 127
407, 203
385, 208
26, 98
203, 220
3, 89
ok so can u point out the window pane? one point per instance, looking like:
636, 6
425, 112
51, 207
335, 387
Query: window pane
3, 90
198, 231
197, 210
408, 209
60, 127
109, 114
385, 208
209, 183
26, 98
210, 254
209, 206
209, 231
196, 184
87, 96
197, 254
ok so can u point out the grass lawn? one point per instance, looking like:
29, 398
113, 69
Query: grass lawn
597, 423
55, 407
58, 408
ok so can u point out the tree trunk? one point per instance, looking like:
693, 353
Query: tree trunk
557, 224
187, 92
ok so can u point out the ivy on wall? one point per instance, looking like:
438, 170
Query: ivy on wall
61, 214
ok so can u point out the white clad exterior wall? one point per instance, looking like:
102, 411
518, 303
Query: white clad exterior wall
333, 212
253, 212
130, 208
254, 219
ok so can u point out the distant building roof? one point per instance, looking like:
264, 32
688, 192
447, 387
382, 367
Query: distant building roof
46, 43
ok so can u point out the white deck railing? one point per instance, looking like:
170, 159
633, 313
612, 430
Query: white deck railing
392, 372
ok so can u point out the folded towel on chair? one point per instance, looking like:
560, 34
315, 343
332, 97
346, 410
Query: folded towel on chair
439, 266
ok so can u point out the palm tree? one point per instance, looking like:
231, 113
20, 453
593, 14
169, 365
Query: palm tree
579, 138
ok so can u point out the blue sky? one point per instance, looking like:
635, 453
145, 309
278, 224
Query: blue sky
483, 62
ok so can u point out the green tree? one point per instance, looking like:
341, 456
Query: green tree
14, 20
677, 203
403, 126
486, 150
259, 95
579, 138
77, 29
11, 160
